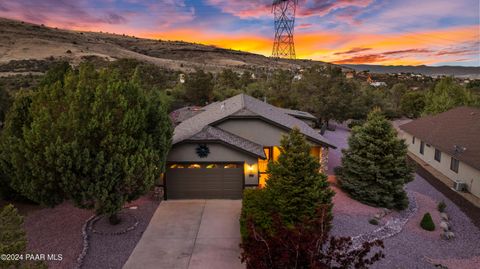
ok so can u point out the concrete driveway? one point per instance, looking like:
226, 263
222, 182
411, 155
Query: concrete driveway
190, 234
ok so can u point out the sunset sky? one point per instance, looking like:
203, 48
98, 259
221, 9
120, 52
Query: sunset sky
387, 32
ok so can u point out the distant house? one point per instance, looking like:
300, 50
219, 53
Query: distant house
350, 75
450, 143
378, 84
224, 147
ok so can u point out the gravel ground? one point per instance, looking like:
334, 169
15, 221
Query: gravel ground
112, 251
413, 247
56, 231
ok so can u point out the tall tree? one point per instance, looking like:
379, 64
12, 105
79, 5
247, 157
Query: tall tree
374, 168
95, 139
446, 95
199, 87
4, 105
295, 184
413, 104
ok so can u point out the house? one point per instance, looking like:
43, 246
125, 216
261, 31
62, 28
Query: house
450, 143
378, 84
306, 117
226, 148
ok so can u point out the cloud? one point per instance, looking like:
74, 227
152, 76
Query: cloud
363, 59
352, 51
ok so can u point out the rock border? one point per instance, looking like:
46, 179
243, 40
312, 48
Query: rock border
82, 254
391, 228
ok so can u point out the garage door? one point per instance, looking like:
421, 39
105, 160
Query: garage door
204, 181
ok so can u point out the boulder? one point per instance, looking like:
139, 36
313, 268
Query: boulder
445, 225
444, 216
448, 235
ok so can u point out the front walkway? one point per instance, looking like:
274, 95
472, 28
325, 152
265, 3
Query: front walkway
190, 234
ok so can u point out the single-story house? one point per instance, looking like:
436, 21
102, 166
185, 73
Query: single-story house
225, 147
450, 143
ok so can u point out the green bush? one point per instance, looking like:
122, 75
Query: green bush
441, 206
373, 221
427, 222
12, 235
254, 207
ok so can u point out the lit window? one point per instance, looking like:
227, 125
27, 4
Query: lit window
262, 181
175, 166
454, 164
194, 166
211, 166
230, 165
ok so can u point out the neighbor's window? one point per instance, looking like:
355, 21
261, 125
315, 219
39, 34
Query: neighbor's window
422, 147
438, 155
454, 164
413, 139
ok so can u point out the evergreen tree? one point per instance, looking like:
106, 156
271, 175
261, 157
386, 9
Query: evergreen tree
94, 139
12, 236
447, 95
295, 185
413, 104
374, 168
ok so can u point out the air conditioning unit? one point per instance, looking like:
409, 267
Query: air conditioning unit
459, 186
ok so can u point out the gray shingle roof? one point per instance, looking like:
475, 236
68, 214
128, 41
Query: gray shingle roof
216, 134
457, 127
243, 105
299, 114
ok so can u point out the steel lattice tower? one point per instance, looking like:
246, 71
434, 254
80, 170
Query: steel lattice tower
284, 11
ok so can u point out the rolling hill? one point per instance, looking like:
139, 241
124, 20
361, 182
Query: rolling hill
433, 71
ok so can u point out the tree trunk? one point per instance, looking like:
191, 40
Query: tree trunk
114, 219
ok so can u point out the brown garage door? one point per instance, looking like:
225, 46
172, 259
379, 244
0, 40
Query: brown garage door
204, 181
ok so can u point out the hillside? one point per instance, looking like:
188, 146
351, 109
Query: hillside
22, 41
434, 71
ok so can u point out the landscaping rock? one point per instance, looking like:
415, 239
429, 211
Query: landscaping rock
448, 235
444, 225
444, 216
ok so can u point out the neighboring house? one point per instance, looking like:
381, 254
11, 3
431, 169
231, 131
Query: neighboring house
302, 115
226, 148
450, 143
378, 84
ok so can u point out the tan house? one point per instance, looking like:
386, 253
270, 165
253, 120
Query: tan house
225, 147
450, 143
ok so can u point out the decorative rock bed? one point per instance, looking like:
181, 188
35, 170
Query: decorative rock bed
99, 225
391, 228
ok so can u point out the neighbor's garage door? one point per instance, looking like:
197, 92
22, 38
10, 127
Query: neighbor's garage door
204, 181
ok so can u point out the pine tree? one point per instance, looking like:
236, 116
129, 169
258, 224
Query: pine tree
12, 236
295, 185
91, 137
374, 168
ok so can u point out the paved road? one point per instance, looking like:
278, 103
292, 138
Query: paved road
190, 234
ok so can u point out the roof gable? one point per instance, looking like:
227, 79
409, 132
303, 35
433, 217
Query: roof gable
243, 105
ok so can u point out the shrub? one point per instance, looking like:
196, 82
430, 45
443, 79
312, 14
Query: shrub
305, 245
374, 168
427, 222
441, 206
12, 235
373, 221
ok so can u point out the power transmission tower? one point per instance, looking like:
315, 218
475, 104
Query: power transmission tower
283, 45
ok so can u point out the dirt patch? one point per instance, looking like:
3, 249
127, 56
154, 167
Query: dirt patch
425, 205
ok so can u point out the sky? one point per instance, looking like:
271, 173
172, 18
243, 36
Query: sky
385, 32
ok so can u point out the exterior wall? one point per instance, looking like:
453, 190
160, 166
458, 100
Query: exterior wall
466, 173
255, 130
218, 153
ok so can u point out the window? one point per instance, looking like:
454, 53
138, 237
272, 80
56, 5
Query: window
194, 166
413, 140
230, 165
175, 166
454, 164
422, 147
211, 166
438, 155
